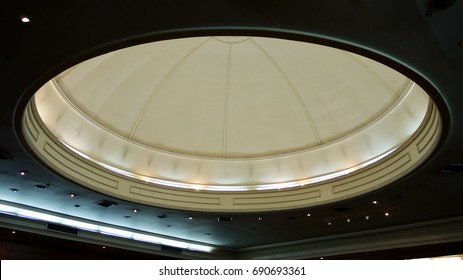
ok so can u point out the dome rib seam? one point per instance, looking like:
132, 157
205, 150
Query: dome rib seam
293, 90
373, 72
161, 84
225, 110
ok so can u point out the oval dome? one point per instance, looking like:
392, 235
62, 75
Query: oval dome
232, 114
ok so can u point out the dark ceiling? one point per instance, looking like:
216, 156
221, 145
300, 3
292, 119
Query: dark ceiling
422, 40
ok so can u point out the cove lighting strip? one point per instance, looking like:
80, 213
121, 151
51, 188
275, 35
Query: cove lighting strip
106, 230
223, 188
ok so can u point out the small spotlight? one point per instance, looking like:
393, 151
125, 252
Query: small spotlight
260, 218
348, 220
190, 218
386, 214
23, 172
329, 223
13, 190
375, 202
104, 247
25, 19
135, 210
72, 195
13, 232
308, 215
367, 217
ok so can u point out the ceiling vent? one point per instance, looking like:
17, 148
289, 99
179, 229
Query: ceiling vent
170, 249
436, 5
63, 229
452, 168
106, 203
442, 4
41, 187
341, 209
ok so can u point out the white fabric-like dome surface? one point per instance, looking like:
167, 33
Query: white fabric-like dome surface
232, 113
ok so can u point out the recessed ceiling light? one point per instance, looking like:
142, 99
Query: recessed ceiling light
190, 218
25, 19
375, 202
76, 205
135, 210
260, 218
14, 190
308, 215
13, 232
329, 223
23, 172
386, 214
104, 247
367, 217
207, 233
163, 216
127, 217
72, 195
348, 220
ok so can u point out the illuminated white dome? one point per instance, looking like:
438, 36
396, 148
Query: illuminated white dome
232, 114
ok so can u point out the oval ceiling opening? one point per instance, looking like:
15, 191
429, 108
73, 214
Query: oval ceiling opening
232, 124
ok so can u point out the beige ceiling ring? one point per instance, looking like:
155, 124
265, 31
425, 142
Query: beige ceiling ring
232, 124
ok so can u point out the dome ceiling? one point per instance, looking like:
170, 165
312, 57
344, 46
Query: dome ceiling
232, 113
226, 97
